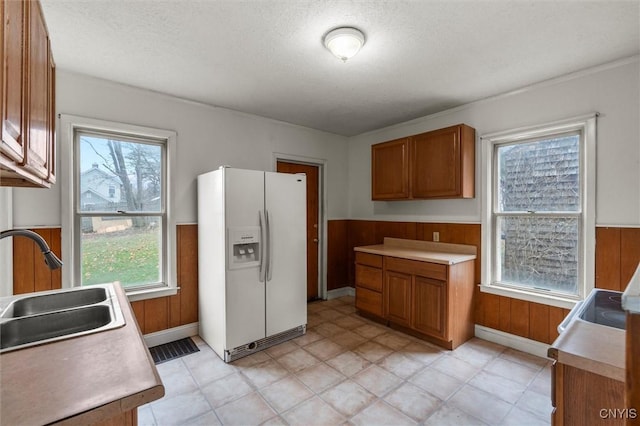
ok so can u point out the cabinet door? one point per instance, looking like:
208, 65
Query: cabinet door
51, 114
435, 164
390, 170
398, 297
38, 119
429, 306
13, 78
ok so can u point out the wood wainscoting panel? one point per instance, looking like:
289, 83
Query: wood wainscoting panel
30, 273
188, 273
539, 322
138, 312
629, 255
504, 314
337, 254
156, 314
608, 258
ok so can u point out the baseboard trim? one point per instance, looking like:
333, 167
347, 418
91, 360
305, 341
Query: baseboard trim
341, 292
171, 334
511, 340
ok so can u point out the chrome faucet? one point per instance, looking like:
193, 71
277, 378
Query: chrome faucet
50, 259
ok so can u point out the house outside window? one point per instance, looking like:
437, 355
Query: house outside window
538, 220
126, 233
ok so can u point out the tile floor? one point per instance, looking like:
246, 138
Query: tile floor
348, 370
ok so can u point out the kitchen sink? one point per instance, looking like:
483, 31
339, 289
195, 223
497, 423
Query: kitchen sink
37, 328
45, 317
55, 301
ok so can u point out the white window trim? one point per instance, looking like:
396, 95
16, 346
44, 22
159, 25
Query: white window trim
587, 125
68, 125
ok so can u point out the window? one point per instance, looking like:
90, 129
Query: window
538, 221
126, 235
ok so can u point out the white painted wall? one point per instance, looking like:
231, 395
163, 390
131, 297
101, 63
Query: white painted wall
208, 137
613, 91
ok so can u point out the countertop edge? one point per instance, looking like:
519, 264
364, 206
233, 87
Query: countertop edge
574, 347
444, 258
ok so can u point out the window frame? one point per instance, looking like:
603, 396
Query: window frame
70, 125
586, 126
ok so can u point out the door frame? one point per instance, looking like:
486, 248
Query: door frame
322, 213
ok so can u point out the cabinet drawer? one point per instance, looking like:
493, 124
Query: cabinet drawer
374, 260
369, 301
424, 269
369, 277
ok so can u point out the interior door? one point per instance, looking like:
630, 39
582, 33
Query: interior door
313, 235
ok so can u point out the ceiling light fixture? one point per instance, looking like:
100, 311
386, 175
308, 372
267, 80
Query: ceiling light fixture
344, 42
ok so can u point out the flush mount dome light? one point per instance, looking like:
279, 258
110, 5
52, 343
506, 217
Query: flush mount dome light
344, 43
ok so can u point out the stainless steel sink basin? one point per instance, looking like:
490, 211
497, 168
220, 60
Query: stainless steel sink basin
55, 302
36, 328
45, 317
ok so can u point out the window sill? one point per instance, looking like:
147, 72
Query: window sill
543, 299
153, 293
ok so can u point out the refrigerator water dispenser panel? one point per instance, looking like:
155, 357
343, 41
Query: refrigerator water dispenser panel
244, 247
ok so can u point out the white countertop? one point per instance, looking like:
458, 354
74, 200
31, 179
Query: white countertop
423, 251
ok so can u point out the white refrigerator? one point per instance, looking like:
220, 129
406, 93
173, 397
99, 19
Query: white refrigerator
252, 266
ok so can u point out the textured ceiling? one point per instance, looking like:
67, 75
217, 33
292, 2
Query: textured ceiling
266, 57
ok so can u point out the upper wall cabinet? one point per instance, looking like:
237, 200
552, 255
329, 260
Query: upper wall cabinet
27, 152
432, 165
390, 165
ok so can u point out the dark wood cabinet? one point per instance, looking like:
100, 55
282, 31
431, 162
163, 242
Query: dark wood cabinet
390, 166
431, 165
27, 152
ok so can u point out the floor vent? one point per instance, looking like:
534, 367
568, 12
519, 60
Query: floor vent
173, 350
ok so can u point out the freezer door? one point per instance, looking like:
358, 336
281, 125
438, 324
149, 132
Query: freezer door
286, 288
245, 294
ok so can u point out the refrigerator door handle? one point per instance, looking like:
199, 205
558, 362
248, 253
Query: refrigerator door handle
270, 248
263, 246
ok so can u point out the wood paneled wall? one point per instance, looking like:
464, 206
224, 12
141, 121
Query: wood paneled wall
337, 254
31, 274
617, 256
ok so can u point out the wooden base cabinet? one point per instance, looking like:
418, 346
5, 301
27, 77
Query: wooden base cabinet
429, 300
397, 297
369, 284
580, 397
430, 306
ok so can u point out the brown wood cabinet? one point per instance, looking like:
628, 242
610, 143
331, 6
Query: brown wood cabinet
369, 283
431, 165
430, 300
390, 170
397, 300
27, 151
580, 397
429, 306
